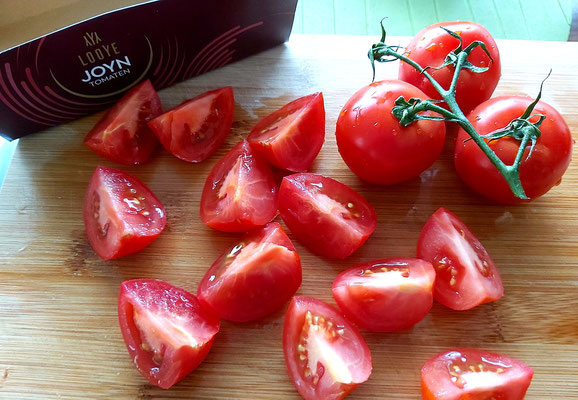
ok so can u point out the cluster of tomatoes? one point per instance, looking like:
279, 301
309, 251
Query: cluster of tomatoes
169, 331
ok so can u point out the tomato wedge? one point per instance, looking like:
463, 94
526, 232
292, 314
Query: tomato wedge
122, 134
195, 129
291, 137
465, 274
240, 192
121, 215
326, 216
165, 329
326, 356
253, 278
470, 374
386, 295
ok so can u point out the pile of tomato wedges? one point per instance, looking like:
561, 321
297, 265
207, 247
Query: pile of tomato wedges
169, 331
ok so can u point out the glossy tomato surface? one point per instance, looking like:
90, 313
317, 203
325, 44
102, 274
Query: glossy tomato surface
240, 192
326, 356
254, 277
375, 146
386, 295
465, 274
121, 214
430, 48
122, 134
326, 216
165, 329
538, 174
471, 374
291, 137
195, 129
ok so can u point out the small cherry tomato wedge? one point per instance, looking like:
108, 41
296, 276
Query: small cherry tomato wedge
539, 172
326, 216
122, 134
470, 374
165, 329
465, 274
195, 129
386, 295
253, 278
375, 146
121, 214
326, 356
291, 137
240, 192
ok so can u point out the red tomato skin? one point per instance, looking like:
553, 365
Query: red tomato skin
247, 210
122, 134
443, 241
130, 228
295, 146
162, 299
430, 48
263, 287
381, 308
329, 234
538, 174
437, 384
194, 130
375, 146
352, 347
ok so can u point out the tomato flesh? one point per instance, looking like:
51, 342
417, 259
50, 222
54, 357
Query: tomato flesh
471, 374
291, 137
326, 356
386, 295
253, 278
121, 214
166, 330
122, 134
466, 276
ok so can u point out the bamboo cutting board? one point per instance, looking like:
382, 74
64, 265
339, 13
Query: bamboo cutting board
59, 335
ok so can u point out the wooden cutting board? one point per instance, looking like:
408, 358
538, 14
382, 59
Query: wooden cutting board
59, 336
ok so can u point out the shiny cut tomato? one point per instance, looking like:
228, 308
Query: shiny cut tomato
165, 329
326, 216
121, 215
326, 356
470, 374
430, 48
122, 134
386, 295
195, 129
254, 277
291, 137
538, 174
375, 146
240, 192
466, 276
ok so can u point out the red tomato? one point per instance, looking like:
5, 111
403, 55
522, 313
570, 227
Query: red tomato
375, 146
430, 48
253, 278
121, 214
165, 329
386, 295
122, 134
326, 216
291, 137
470, 374
326, 356
538, 174
195, 129
240, 192
465, 274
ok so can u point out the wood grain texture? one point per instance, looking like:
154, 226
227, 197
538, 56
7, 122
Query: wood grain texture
59, 336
